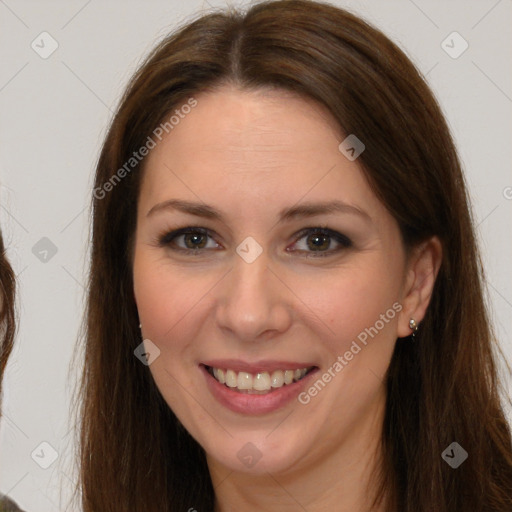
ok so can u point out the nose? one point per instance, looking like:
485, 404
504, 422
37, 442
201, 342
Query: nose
253, 304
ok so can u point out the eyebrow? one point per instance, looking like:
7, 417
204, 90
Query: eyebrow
297, 211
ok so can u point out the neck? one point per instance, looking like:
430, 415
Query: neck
343, 478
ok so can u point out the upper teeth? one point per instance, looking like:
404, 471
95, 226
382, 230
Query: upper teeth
262, 381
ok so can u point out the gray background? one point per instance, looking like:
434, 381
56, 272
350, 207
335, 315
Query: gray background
54, 114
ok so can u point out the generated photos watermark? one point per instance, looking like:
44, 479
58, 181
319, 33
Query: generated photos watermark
343, 360
137, 156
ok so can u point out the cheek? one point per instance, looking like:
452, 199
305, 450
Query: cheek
351, 302
359, 320
162, 294
156, 297
359, 312
173, 304
162, 301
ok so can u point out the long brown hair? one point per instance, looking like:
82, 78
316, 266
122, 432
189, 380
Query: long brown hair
444, 387
7, 311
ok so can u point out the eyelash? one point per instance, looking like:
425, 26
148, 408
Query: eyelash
166, 239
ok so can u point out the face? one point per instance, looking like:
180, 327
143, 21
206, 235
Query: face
245, 281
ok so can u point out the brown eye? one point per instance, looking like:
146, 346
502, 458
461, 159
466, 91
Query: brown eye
319, 241
195, 240
186, 239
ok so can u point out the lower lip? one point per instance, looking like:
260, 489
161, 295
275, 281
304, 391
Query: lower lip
254, 404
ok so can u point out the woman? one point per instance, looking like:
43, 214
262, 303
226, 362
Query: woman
7, 330
323, 347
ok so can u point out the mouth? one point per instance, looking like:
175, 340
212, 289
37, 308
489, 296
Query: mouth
257, 383
256, 389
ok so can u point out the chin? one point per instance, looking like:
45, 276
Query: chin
255, 455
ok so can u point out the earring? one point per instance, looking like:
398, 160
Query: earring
413, 326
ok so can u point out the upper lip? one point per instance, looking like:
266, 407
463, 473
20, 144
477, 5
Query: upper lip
238, 365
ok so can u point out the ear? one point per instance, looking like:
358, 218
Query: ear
422, 268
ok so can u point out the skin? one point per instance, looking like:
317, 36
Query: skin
234, 151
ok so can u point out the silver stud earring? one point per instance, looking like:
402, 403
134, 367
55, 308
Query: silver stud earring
413, 326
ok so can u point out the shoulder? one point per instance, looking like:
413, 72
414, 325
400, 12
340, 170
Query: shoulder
7, 505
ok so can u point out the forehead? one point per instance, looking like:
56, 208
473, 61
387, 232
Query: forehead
252, 126
254, 146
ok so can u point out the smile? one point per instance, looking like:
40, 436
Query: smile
256, 388
259, 383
